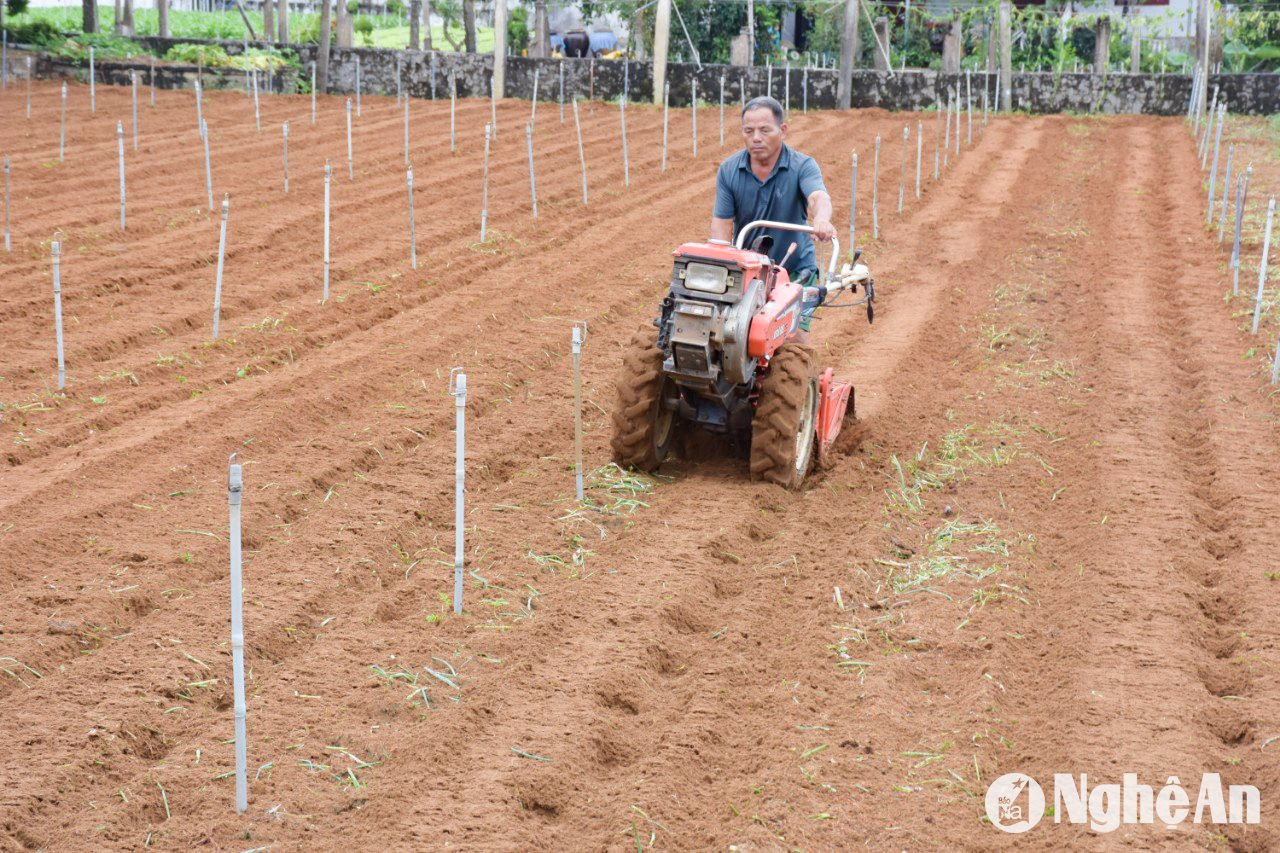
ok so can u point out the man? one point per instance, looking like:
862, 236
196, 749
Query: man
768, 179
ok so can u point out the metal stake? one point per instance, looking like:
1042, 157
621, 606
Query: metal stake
313, 93
533, 187
1226, 185
93, 96
626, 160
562, 91
208, 169
875, 194
453, 103
120, 146
1242, 190
484, 198
919, 153
222, 254
284, 129
328, 179
62, 128
357, 85
721, 110
853, 202
579, 338
693, 111
1262, 267
582, 157
134, 75
406, 131
902, 173
533, 109
8, 246
235, 487
413, 240
666, 96
458, 388
257, 114
1213, 173
57, 312
351, 169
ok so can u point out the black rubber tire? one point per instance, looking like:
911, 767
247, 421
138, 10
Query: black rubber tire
637, 442
792, 380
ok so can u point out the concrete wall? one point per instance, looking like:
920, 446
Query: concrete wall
424, 73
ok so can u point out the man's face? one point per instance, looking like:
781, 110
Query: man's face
762, 134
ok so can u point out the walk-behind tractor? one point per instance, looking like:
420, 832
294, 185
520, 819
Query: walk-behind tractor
725, 356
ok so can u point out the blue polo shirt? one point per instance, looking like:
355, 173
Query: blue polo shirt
782, 197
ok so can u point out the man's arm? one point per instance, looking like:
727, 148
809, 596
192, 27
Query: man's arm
820, 215
721, 229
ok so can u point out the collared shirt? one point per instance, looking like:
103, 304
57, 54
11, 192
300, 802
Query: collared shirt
782, 197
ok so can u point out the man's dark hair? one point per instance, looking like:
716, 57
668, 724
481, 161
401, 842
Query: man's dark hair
764, 102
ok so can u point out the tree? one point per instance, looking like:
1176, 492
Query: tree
89, 22
322, 57
469, 24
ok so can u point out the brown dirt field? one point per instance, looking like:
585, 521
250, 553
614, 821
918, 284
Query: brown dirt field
1052, 526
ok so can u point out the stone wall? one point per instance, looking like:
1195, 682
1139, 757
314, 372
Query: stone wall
426, 74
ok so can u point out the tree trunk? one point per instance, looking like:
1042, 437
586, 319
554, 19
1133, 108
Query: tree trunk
882, 44
117, 22
469, 24
345, 30
282, 24
89, 16
500, 47
848, 55
541, 40
1102, 46
415, 15
162, 14
268, 22
635, 39
426, 25
126, 25
322, 55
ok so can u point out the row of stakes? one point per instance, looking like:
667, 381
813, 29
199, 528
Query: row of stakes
1206, 125
457, 379
947, 142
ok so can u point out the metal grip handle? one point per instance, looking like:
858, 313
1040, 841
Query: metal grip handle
789, 226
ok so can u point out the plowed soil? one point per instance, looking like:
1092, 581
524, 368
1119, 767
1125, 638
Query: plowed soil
1047, 543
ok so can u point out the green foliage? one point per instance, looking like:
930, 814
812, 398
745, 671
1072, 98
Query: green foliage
518, 29
208, 55
16, 7
38, 33
397, 8
104, 46
363, 26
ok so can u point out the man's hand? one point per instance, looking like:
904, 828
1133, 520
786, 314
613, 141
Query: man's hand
823, 230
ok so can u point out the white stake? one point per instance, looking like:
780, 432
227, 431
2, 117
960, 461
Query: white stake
1242, 190
93, 96
804, 90
562, 91
853, 202
62, 128
8, 246
120, 146
533, 109
222, 255
284, 129
458, 388
919, 153
357, 85
1262, 267
533, 188
351, 169
579, 338
453, 103
902, 173
406, 131
666, 95
199, 104
313, 93
484, 198
257, 114
235, 488
693, 111
1226, 185
413, 240
946, 144
208, 169
968, 102
721, 110
399, 94
493, 107
57, 312
626, 160
875, 194
135, 109
582, 157
786, 89
1213, 173
30, 74
1275, 363
328, 177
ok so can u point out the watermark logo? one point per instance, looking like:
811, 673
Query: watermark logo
1016, 803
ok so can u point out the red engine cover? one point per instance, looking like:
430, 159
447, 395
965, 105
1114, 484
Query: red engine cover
777, 320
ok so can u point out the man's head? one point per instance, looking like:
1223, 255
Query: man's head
764, 127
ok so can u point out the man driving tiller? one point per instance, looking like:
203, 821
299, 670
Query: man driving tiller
769, 179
